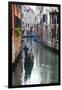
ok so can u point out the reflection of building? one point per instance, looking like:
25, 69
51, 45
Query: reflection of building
28, 18
16, 22
47, 23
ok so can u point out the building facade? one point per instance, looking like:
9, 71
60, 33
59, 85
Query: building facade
28, 18
47, 25
16, 22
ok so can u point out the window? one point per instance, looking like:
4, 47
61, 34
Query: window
54, 19
17, 21
57, 18
26, 24
45, 18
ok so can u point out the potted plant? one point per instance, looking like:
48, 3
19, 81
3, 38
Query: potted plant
18, 31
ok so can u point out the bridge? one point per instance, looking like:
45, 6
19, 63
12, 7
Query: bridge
28, 36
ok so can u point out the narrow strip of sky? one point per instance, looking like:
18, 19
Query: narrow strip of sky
33, 8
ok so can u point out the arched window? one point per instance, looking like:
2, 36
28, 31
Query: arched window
45, 18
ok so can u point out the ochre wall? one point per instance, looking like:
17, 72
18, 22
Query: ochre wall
16, 41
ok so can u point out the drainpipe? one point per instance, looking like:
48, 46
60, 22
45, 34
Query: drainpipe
56, 30
13, 45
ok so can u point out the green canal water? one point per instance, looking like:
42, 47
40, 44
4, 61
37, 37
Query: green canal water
45, 68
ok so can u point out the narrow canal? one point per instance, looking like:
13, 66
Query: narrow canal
45, 68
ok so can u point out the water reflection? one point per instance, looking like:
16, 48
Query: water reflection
44, 69
16, 73
28, 65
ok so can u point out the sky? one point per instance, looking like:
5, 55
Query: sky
33, 8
